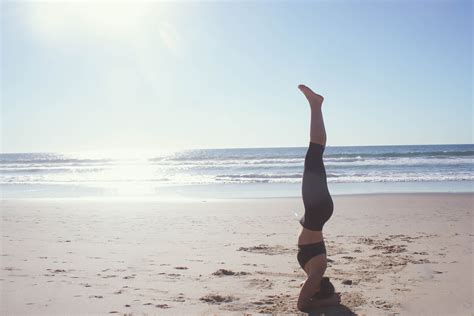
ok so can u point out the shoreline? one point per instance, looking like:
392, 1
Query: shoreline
227, 199
223, 191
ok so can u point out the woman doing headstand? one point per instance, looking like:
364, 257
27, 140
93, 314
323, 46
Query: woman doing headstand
317, 290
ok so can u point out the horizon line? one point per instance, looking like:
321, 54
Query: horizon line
216, 148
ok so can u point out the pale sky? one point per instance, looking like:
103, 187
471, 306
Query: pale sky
107, 75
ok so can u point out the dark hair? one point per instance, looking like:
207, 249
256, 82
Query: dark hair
326, 289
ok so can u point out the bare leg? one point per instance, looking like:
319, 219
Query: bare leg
318, 136
317, 131
316, 266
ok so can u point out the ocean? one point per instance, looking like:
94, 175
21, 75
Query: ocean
234, 173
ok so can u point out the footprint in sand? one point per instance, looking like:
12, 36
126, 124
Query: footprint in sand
12, 269
173, 275
382, 304
267, 250
367, 241
217, 299
108, 276
391, 249
273, 304
180, 298
260, 283
56, 270
421, 261
224, 272
353, 299
423, 253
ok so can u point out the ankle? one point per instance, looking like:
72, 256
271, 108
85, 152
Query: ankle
316, 106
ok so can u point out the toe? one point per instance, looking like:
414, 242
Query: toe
307, 91
312, 97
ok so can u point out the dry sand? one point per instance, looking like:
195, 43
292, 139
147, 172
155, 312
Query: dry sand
397, 253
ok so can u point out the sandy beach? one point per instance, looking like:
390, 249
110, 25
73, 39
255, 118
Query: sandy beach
388, 253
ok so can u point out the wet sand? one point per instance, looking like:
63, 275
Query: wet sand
388, 254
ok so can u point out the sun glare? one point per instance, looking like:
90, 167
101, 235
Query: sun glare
55, 21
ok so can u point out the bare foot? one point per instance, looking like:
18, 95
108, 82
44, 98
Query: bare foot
314, 99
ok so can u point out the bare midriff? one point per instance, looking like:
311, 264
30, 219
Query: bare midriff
308, 236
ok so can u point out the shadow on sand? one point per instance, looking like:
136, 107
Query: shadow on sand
336, 310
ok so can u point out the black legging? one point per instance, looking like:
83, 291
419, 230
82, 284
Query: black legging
316, 198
